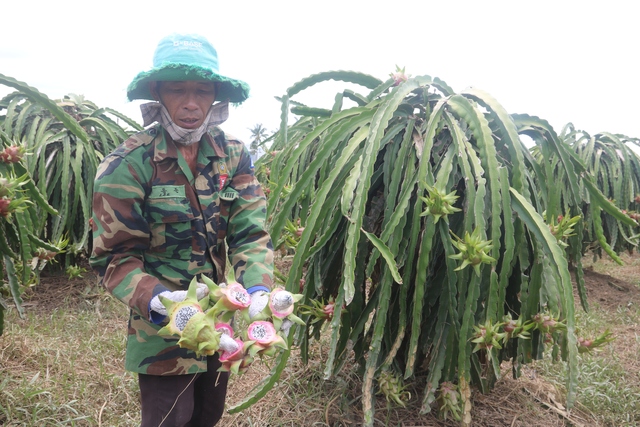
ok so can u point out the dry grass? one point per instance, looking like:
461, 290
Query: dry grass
303, 398
64, 366
71, 345
533, 400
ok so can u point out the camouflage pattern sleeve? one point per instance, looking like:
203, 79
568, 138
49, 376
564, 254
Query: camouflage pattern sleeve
121, 234
249, 244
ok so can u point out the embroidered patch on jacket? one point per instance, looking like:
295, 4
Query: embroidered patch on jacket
167, 191
223, 173
223, 180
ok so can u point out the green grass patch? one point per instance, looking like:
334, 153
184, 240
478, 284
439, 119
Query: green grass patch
65, 367
609, 379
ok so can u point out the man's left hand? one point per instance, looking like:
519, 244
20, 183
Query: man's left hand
259, 300
176, 296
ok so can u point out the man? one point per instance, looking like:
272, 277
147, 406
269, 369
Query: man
167, 203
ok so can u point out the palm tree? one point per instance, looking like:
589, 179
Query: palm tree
258, 134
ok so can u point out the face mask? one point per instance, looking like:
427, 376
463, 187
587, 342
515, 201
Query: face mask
156, 112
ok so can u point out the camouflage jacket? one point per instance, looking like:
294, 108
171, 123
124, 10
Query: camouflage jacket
156, 226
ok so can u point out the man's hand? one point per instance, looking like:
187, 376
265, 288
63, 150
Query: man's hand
259, 300
176, 296
228, 344
282, 302
286, 325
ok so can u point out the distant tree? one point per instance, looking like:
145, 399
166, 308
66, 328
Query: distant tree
258, 134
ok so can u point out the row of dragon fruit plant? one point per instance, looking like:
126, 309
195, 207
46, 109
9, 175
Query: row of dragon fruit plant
417, 207
434, 242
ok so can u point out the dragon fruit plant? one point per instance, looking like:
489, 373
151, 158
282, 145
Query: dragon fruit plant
385, 178
49, 150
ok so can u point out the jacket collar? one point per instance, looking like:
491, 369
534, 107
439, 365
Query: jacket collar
164, 148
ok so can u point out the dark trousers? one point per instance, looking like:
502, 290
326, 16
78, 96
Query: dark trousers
195, 400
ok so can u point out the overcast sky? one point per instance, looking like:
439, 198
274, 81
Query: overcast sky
564, 61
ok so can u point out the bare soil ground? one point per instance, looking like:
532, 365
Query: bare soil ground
529, 401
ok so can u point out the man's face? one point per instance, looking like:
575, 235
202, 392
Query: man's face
187, 102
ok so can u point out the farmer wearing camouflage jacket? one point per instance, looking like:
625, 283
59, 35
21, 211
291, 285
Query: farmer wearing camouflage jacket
169, 204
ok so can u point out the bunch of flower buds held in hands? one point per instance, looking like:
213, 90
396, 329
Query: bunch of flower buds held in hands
204, 326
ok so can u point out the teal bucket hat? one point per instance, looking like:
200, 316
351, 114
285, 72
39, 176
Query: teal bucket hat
181, 57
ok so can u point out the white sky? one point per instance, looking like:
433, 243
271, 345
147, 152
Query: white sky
562, 60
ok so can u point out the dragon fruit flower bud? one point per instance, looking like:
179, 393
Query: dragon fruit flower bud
8, 186
510, 326
12, 154
400, 76
328, 310
8, 206
44, 254
584, 345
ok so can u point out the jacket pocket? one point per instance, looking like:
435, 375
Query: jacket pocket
169, 214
